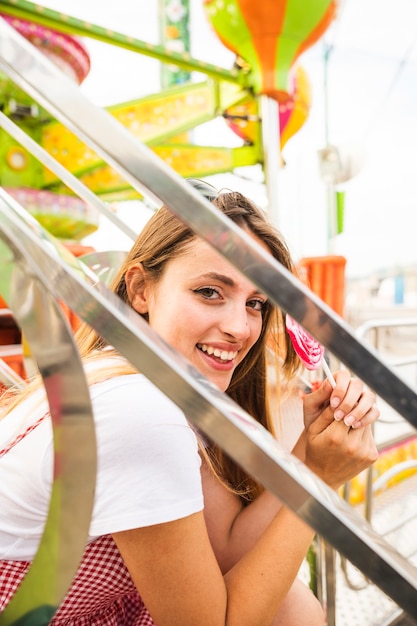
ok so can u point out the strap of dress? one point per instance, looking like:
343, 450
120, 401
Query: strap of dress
21, 436
46, 414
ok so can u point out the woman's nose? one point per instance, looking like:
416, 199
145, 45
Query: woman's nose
236, 322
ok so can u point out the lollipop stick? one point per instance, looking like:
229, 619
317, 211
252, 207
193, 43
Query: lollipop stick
328, 373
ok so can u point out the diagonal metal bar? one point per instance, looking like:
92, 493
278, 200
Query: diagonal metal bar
10, 377
69, 179
71, 504
244, 439
149, 175
73, 26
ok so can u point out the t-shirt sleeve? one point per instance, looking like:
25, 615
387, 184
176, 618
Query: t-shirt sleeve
148, 462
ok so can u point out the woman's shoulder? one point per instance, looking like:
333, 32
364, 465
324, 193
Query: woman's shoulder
119, 389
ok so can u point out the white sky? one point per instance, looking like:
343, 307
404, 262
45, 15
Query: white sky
380, 221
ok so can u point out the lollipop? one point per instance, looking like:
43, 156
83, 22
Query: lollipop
308, 349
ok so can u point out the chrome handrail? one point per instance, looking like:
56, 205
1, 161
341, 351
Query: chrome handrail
149, 175
214, 413
69, 179
72, 496
242, 438
375, 325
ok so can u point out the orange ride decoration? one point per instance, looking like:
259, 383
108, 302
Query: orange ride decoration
325, 275
242, 118
270, 35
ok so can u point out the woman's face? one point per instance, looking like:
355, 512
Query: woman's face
205, 309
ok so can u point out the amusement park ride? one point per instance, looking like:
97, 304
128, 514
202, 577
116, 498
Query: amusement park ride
60, 170
160, 120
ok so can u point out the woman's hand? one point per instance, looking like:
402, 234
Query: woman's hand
350, 401
336, 452
338, 429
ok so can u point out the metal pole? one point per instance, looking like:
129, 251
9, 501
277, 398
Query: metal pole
272, 153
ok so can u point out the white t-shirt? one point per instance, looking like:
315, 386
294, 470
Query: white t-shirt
148, 465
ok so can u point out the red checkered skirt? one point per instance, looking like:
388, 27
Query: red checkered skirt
102, 592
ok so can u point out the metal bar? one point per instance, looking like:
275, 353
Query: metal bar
364, 328
10, 377
398, 618
149, 175
71, 504
244, 439
271, 154
69, 179
73, 26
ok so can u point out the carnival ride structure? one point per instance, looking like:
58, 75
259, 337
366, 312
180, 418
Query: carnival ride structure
160, 120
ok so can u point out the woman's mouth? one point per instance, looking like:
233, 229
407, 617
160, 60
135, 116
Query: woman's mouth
223, 356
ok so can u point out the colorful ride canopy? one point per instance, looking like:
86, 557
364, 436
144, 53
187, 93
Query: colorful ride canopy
270, 35
243, 118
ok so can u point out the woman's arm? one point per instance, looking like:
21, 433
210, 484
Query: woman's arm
234, 529
178, 578
175, 567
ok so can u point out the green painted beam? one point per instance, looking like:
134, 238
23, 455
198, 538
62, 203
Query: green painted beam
73, 26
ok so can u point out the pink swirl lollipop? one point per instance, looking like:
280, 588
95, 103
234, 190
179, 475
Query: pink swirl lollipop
308, 349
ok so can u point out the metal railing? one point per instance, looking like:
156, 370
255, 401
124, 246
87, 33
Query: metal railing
41, 272
374, 331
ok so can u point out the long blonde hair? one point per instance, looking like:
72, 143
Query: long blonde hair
164, 237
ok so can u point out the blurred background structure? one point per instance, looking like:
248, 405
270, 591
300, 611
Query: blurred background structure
363, 76
362, 105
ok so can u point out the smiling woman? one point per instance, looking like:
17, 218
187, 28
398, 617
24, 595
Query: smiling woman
180, 534
219, 313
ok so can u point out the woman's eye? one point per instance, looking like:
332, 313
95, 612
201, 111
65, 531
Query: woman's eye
207, 292
257, 305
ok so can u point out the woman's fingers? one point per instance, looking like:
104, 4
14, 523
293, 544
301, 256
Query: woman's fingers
360, 418
340, 443
352, 402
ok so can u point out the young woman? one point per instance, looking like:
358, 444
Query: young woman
159, 550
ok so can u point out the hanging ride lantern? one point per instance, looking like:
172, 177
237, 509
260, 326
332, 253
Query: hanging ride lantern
270, 35
244, 121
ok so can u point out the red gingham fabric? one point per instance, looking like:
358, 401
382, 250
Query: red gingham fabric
102, 592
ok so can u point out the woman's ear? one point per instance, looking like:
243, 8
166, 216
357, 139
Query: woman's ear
137, 288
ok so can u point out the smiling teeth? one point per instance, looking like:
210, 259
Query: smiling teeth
224, 355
